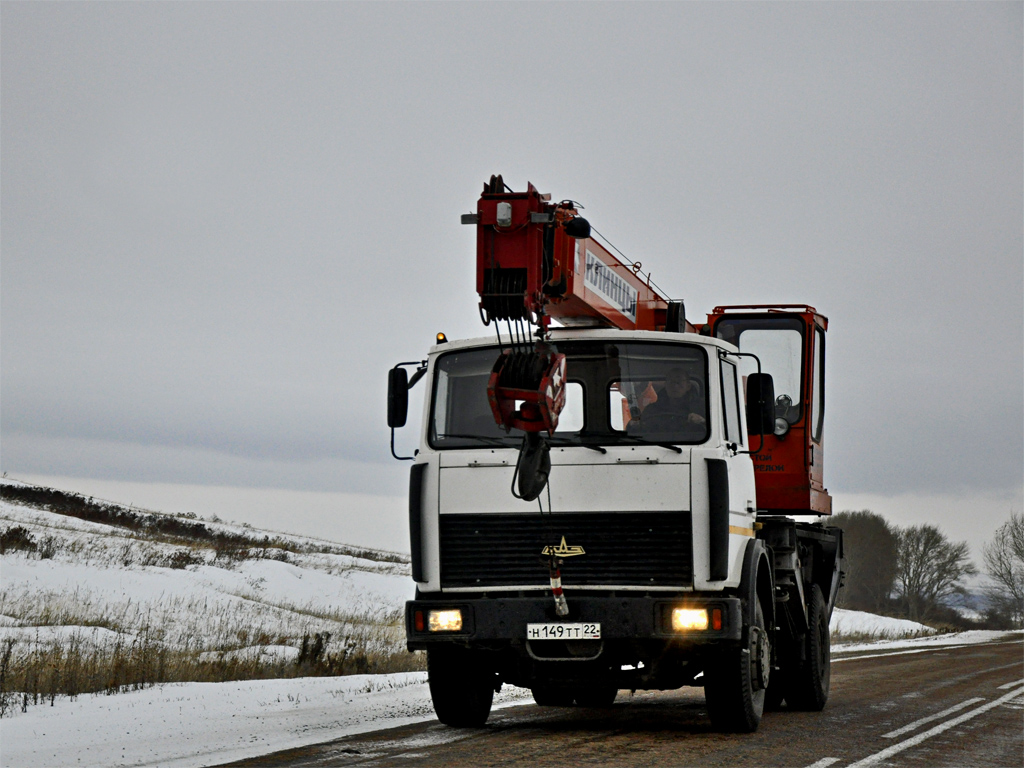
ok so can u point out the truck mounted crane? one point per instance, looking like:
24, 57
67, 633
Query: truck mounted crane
609, 503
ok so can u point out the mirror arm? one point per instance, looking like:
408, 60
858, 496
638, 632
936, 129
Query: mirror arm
760, 445
421, 369
400, 458
418, 374
760, 425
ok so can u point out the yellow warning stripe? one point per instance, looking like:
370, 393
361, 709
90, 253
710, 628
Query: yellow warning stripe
741, 531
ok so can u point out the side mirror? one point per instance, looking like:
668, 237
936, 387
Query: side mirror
398, 397
760, 404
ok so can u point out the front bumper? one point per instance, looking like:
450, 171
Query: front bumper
494, 622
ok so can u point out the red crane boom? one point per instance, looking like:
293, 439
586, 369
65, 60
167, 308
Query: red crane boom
536, 261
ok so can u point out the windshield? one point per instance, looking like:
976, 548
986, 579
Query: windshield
778, 344
617, 392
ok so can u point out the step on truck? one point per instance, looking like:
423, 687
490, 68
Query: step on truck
605, 496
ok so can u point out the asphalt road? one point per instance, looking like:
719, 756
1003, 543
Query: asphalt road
948, 707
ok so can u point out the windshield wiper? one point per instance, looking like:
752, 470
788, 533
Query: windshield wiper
639, 441
565, 441
498, 441
501, 442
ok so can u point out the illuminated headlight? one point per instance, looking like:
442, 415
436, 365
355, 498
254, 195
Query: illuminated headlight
687, 619
781, 426
445, 621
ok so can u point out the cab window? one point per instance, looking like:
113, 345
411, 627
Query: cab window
731, 404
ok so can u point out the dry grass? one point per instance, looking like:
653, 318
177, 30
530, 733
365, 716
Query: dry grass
69, 642
847, 638
34, 673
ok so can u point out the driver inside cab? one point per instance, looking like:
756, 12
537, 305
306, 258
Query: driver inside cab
680, 403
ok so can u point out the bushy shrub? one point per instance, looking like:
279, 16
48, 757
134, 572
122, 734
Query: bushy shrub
49, 546
17, 537
182, 558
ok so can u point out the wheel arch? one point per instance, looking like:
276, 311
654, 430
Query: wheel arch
758, 581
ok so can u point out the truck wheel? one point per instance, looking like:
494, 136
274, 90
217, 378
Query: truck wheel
596, 697
808, 682
552, 697
461, 687
735, 681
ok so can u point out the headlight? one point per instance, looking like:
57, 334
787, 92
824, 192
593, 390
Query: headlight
687, 619
781, 426
445, 621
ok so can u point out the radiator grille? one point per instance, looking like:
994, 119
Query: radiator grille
625, 548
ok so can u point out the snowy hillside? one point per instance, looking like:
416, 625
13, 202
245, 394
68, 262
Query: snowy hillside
205, 600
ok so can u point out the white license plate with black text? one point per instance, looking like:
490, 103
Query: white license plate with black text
575, 631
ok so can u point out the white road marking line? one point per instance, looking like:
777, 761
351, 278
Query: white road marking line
1010, 685
913, 741
836, 651
825, 762
918, 723
898, 653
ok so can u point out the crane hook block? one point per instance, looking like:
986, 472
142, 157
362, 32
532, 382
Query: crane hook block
536, 380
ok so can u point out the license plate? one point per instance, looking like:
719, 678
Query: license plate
580, 631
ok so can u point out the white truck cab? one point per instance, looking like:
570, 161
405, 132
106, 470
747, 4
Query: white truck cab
604, 464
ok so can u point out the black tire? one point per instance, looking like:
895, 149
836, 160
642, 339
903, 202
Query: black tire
732, 687
600, 697
461, 687
552, 697
808, 680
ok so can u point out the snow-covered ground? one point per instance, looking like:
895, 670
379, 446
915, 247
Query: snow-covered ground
102, 584
210, 604
197, 724
919, 644
856, 623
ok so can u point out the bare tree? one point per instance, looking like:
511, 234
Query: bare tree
1004, 562
869, 548
929, 569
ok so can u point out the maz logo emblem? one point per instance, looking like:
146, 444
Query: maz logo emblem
563, 550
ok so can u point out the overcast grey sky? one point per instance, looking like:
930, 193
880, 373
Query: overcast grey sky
222, 223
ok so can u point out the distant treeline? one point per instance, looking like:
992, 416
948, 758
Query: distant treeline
171, 528
916, 573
